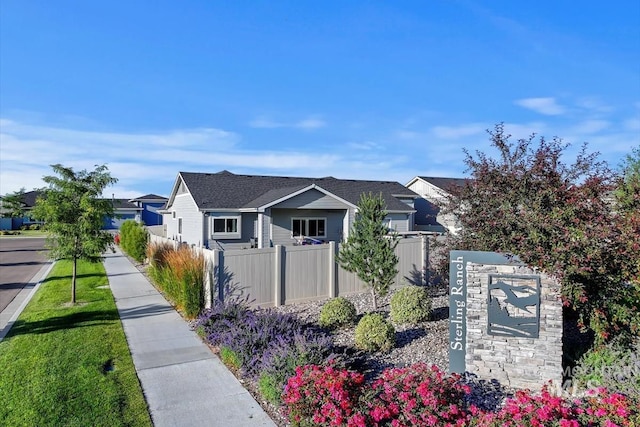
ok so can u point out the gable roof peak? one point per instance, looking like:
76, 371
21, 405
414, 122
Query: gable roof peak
225, 190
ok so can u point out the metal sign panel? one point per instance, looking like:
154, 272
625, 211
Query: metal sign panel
458, 299
513, 306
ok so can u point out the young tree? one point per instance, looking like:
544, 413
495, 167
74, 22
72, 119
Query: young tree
369, 249
13, 204
74, 214
628, 189
556, 217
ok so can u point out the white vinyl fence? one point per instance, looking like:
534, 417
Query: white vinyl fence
290, 274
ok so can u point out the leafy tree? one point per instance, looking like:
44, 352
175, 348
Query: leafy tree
74, 214
369, 249
628, 190
557, 217
13, 204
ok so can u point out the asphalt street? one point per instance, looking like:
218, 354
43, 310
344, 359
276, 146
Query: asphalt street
20, 259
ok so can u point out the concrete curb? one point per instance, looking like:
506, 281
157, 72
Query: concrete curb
10, 314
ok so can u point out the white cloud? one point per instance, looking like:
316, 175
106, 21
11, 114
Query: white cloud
591, 126
594, 106
308, 123
137, 160
365, 146
546, 106
265, 123
147, 162
454, 132
632, 124
525, 130
408, 134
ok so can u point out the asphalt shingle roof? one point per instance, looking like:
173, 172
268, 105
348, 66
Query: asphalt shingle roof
444, 183
149, 197
29, 198
225, 190
124, 204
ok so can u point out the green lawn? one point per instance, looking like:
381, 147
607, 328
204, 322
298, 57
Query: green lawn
70, 366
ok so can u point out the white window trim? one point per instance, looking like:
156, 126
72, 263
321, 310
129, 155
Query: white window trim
306, 222
225, 235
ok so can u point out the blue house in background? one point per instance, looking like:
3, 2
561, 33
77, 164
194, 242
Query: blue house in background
28, 202
141, 209
123, 210
150, 205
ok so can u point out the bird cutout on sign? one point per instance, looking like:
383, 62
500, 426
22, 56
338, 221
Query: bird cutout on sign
514, 304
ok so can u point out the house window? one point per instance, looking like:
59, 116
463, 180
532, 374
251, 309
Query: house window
226, 227
173, 214
179, 225
309, 227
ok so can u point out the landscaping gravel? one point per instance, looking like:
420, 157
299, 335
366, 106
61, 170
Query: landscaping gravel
425, 342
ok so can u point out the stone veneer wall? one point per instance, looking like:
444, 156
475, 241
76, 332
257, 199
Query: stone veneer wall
514, 361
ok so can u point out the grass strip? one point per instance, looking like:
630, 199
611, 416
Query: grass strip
63, 365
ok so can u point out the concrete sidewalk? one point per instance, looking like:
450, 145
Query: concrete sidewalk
184, 383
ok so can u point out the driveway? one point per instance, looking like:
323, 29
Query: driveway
21, 258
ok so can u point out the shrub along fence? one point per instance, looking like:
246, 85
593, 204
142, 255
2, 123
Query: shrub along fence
290, 274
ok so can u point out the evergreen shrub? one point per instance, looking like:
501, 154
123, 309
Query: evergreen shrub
375, 333
337, 312
133, 239
410, 304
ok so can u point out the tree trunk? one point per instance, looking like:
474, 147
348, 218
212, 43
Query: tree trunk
73, 281
375, 302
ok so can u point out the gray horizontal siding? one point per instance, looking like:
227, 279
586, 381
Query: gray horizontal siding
248, 230
281, 224
192, 221
312, 199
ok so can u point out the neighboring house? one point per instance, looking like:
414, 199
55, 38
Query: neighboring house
123, 210
433, 191
151, 204
227, 211
28, 202
141, 209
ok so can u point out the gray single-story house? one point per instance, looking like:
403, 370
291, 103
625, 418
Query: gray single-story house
228, 211
433, 191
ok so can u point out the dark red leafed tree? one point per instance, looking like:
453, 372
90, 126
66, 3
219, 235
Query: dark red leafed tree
578, 222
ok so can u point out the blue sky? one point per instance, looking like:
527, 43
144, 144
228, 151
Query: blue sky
351, 89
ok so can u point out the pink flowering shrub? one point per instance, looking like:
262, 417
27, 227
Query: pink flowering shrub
536, 411
323, 396
600, 409
419, 395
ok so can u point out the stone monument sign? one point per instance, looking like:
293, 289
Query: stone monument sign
505, 320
